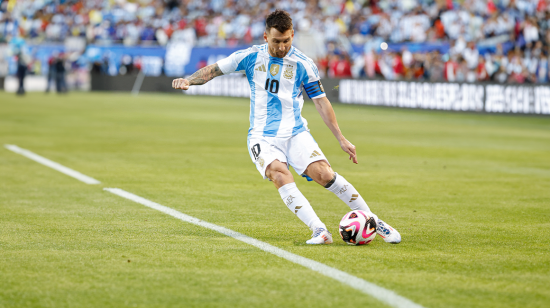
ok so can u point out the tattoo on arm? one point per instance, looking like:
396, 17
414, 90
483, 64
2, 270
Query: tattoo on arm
205, 74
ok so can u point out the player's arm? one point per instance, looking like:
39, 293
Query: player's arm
201, 76
323, 106
235, 62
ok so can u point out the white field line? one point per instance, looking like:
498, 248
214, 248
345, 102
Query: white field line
384, 295
46, 162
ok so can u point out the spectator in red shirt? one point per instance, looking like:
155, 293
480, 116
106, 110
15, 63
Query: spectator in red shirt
322, 64
481, 71
450, 69
200, 26
439, 29
398, 67
342, 67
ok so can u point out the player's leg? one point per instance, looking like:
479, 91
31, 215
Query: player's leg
321, 173
307, 158
279, 174
270, 162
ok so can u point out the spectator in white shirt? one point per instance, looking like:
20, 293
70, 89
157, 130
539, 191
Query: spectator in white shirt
471, 55
530, 31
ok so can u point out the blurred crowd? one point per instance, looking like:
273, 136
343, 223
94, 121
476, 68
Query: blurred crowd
463, 40
518, 65
469, 41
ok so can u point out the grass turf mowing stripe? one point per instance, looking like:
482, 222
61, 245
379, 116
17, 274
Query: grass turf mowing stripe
46, 162
382, 294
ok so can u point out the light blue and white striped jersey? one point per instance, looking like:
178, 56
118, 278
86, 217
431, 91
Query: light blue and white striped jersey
276, 99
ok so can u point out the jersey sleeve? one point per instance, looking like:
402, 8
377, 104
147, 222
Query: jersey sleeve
310, 78
235, 62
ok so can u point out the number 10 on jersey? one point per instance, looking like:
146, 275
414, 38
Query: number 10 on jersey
272, 85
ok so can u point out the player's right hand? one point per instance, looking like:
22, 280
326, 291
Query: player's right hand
180, 83
350, 149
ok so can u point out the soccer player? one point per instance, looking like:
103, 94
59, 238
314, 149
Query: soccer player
278, 134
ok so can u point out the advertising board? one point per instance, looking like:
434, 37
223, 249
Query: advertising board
498, 98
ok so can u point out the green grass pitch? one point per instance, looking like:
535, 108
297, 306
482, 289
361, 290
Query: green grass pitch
470, 194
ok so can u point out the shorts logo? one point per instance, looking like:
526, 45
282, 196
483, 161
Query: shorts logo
255, 149
315, 153
354, 197
289, 200
296, 209
261, 162
289, 73
274, 69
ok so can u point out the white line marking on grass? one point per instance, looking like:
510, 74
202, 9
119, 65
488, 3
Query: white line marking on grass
46, 162
384, 295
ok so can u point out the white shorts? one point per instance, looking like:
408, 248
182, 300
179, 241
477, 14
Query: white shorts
297, 151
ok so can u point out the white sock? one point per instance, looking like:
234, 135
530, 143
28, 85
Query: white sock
347, 193
298, 204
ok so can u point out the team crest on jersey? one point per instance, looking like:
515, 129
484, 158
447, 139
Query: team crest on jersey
289, 72
274, 69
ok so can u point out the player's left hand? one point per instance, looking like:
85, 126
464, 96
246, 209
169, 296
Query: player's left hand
350, 149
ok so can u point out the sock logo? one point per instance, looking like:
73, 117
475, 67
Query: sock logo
354, 197
343, 189
289, 200
297, 208
315, 153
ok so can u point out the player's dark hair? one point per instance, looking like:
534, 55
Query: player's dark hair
279, 20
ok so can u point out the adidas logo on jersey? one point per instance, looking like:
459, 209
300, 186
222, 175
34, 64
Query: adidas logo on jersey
261, 68
315, 153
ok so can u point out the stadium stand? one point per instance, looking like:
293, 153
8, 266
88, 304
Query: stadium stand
504, 41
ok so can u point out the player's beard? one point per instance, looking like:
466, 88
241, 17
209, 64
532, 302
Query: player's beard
280, 54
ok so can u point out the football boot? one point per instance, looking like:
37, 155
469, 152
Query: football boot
320, 236
389, 234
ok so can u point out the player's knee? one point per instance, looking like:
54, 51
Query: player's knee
278, 176
325, 175
281, 177
329, 176
321, 172
278, 173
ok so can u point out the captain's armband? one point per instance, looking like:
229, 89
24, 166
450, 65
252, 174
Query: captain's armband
314, 89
